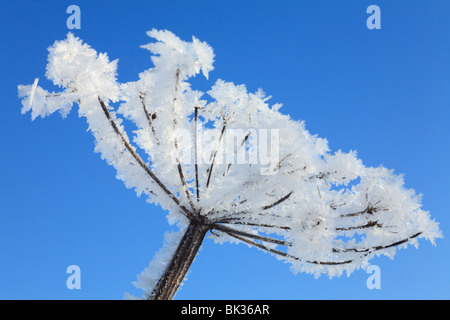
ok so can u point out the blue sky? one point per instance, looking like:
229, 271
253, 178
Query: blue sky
384, 93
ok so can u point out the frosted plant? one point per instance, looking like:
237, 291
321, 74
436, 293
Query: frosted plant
228, 164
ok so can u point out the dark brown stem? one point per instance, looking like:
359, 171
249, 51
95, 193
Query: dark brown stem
365, 226
278, 201
377, 248
149, 118
183, 182
249, 235
284, 254
196, 154
180, 169
176, 270
262, 225
242, 143
214, 155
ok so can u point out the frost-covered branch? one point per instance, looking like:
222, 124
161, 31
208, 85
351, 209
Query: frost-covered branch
253, 224
232, 164
284, 254
214, 154
140, 161
277, 202
377, 248
249, 235
197, 187
149, 117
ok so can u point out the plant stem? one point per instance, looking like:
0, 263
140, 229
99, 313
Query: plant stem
185, 254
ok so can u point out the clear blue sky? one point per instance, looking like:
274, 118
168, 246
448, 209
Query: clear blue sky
385, 93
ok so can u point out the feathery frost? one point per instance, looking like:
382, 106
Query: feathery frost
253, 174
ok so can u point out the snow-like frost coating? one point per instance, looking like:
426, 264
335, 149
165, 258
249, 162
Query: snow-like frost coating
322, 211
148, 278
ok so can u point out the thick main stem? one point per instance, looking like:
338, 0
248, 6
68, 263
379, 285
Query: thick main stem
185, 254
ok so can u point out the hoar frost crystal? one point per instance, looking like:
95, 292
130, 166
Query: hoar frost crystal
325, 213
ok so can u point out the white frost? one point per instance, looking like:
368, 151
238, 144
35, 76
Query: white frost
322, 211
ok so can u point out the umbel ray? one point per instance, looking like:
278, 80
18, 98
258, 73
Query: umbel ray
323, 212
